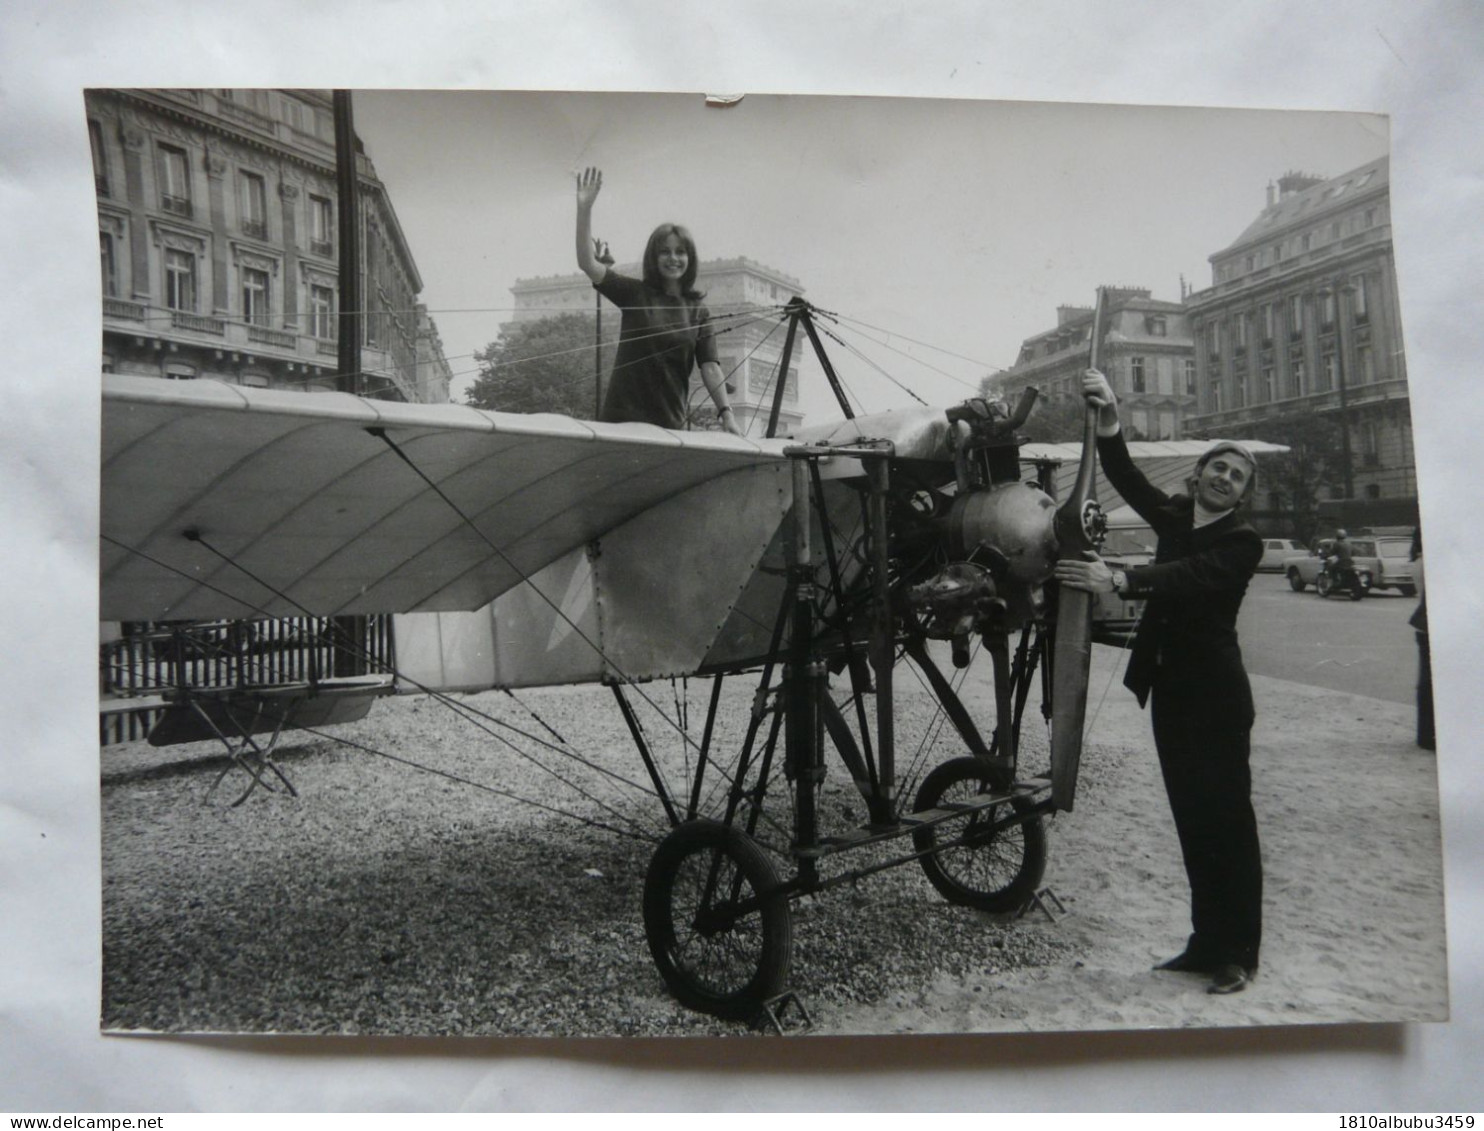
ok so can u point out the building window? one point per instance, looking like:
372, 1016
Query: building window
1240, 390
1269, 384
255, 296
1252, 263
1157, 327
1334, 230
1328, 373
1213, 340
1215, 396
1136, 374
1240, 324
293, 114
179, 371
1327, 308
1370, 217
1269, 318
1304, 241
1277, 252
322, 312
321, 226
175, 181
1370, 448
1189, 377
1365, 361
100, 162
180, 280
109, 265
1296, 316
1373, 490
252, 205
1300, 378
1359, 305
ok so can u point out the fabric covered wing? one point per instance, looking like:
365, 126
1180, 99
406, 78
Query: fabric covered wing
1167, 464
220, 501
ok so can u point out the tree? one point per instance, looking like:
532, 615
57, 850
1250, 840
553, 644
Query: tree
543, 365
1315, 458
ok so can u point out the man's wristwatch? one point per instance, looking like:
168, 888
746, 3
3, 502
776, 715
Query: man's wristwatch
1120, 579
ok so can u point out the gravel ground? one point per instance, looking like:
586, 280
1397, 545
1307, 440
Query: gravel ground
388, 900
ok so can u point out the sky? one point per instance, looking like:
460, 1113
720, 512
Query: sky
942, 232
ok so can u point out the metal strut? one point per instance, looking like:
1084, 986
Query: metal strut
799, 312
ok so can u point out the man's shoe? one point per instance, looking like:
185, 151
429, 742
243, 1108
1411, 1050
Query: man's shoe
1229, 979
1187, 963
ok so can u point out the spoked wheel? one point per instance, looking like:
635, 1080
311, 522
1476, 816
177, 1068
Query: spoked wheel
1323, 584
995, 868
720, 935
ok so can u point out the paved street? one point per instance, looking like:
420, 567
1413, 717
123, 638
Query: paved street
1364, 647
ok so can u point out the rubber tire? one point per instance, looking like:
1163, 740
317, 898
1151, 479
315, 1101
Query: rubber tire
1016, 856
755, 954
1357, 588
1295, 582
1323, 585
1407, 590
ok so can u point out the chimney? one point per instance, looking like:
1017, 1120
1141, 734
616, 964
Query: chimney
1271, 190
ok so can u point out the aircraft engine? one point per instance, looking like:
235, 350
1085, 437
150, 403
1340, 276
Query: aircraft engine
1010, 527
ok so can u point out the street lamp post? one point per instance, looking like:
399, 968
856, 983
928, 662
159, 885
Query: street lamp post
600, 250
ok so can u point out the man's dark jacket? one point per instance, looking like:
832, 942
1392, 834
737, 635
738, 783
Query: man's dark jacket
1187, 638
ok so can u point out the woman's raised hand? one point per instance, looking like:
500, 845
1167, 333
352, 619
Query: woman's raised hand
589, 182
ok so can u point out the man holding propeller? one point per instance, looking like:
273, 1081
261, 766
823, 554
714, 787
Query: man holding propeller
1186, 665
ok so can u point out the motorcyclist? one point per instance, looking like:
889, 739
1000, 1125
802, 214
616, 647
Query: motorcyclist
1341, 563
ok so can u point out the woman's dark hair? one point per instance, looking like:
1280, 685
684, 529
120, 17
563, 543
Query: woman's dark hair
652, 260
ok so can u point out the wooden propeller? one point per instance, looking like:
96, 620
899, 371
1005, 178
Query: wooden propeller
1072, 647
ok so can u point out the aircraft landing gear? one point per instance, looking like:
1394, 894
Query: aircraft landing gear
720, 932
991, 862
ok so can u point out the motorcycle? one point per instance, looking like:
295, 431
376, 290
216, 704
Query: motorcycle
1350, 581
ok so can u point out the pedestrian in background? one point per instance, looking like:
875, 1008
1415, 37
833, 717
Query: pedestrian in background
1426, 738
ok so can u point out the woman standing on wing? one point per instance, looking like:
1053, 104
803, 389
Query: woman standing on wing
665, 329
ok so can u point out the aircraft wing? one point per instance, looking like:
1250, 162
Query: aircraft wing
220, 501
1167, 464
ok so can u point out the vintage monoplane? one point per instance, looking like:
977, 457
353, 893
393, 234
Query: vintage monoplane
625, 554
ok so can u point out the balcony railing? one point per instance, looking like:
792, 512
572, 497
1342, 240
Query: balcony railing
257, 229
121, 308
269, 337
176, 205
321, 247
181, 320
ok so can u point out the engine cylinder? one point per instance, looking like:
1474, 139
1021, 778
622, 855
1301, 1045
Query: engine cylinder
1015, 519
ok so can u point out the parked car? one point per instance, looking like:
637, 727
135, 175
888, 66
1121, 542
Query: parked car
1276, 552
1386, 559
1130, 542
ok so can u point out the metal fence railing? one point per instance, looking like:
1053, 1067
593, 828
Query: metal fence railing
146, 661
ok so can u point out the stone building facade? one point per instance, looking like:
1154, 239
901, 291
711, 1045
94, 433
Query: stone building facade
1302, 319
218, 246
745, 299
1147, 352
